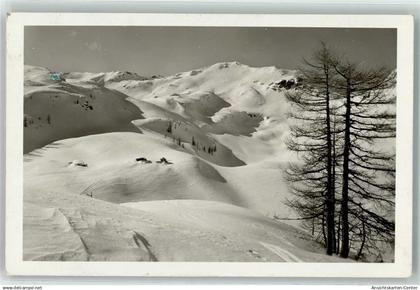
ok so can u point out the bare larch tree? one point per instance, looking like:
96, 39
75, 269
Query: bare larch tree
312, 181
367, 173
339, 116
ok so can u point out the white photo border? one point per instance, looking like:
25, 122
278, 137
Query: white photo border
15, 265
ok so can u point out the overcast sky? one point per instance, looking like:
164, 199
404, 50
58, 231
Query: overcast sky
167, 50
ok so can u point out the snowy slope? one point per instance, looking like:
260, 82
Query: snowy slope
98, 212
228, 92
56, 109
114, 175
193, 202
226, 101
69, 227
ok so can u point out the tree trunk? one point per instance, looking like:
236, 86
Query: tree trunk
345, 247
337, 250
359, 254
333, 157
323, 226
330, 193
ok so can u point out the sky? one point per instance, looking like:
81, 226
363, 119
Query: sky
168, 50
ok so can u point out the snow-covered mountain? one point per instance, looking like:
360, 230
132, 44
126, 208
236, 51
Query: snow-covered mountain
95, 191
56, 109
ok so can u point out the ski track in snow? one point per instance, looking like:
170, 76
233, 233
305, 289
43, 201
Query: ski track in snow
140, 239
282, 253
75, 228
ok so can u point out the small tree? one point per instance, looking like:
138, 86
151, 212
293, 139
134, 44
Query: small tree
169, 129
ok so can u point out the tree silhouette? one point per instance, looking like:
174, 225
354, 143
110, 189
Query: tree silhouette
367, 173
340, 114
312, 181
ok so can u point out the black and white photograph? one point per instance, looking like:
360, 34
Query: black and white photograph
252, 144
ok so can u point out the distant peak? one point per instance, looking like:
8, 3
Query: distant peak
227, 64
28, 67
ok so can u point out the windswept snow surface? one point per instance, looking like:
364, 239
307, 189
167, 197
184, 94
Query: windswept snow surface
180, 168
60, 226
